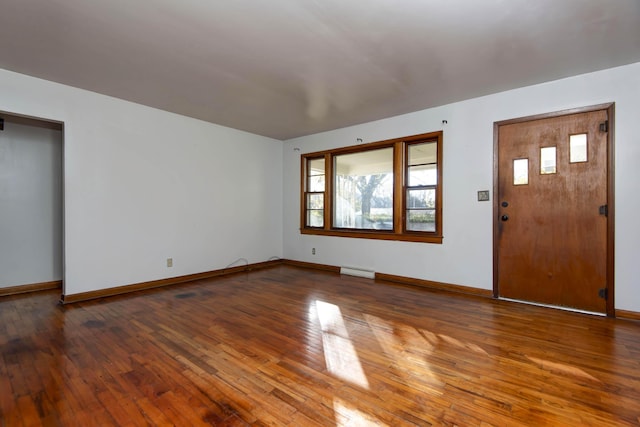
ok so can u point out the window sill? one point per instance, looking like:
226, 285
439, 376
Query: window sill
376, 235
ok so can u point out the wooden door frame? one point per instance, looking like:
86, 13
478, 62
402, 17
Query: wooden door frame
610, 107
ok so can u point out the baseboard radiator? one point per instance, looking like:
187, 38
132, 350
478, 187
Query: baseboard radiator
359, 272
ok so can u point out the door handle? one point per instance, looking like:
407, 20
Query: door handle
505, 217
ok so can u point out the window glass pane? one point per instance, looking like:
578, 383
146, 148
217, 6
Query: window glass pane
422, 154
421, 198
363, 196
422, 164
421, 220
315, 167
423, 175
578, 148
520, 171
315, 174
315, 201
315, 218
547, 160
316, 183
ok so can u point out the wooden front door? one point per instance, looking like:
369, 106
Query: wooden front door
551, 226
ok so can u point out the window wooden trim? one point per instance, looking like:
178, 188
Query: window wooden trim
399, 232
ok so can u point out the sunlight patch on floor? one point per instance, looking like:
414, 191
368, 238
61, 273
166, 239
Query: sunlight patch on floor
339, 352
351, 417
385, 333
408, 351
562, 368
436, 339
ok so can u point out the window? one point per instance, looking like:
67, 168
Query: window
314, 197
388, 190
422, 182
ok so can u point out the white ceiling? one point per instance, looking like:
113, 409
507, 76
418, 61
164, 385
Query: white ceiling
287, 68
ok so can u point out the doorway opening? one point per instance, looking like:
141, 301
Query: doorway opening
31, 204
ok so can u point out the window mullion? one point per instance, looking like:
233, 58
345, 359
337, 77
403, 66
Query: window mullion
398, 187
328, 191
303, 192
439, 188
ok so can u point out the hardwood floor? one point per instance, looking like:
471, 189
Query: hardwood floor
287, 346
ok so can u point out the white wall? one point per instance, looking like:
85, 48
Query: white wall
142, 185
30, 205
465, 257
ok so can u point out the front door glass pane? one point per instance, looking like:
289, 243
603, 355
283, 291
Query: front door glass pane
578, 148
547, 160
520, 171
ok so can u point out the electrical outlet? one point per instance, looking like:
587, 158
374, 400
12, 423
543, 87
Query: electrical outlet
169, 262
313, 251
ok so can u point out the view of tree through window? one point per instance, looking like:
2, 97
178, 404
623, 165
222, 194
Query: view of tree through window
364, 190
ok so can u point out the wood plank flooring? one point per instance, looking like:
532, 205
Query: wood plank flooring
287, 346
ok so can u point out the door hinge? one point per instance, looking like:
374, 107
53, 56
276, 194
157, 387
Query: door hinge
603, 293
604, 126
604, 210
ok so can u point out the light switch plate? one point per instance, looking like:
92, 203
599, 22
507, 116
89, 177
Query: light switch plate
483, 195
